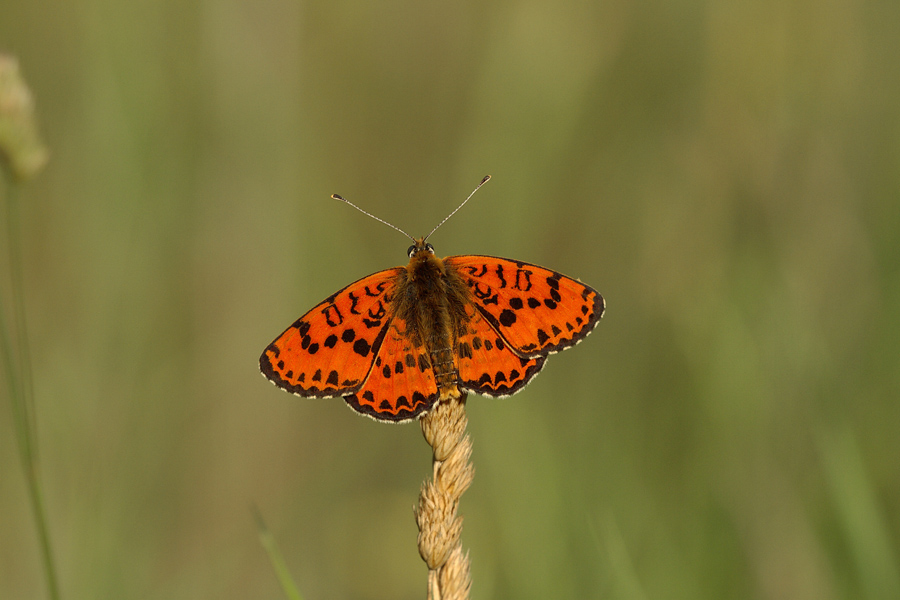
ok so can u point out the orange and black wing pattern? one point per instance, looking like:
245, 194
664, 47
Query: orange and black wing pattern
487, 364
401, 384
330, 350
535, 310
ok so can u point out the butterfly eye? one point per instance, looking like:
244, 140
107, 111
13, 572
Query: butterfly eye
411, 250
430, 248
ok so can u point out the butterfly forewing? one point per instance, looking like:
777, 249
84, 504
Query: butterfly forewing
330, 350
536, 310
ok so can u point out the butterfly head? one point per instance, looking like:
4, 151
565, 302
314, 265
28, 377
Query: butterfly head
420, 246
423, 263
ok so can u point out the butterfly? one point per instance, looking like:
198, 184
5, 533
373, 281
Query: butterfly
395, 343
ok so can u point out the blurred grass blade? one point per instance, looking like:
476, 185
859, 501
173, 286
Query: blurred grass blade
281, 570
621, 566
22, 156
17, 365
865, 524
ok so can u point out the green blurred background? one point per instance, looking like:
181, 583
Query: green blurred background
727, 174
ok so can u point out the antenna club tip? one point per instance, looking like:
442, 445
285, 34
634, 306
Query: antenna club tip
485, 180
337, 197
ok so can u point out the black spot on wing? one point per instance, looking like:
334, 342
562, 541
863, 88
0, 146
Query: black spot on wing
362, 347
499, 272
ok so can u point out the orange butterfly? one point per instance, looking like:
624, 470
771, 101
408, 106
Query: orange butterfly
395, 342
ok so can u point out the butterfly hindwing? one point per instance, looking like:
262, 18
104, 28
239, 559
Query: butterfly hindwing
536, 310
329, 351
401, 383
487, 364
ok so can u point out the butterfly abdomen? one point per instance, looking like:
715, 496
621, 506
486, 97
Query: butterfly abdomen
431, 300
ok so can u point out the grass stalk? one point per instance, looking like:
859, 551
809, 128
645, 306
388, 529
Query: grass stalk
444, 428
22, 156
281, 570
17, 364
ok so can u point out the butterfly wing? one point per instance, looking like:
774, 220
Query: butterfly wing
401, 384
487, 364
536, 311
330, 350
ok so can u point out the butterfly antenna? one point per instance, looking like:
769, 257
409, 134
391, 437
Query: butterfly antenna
342, 199
478, 187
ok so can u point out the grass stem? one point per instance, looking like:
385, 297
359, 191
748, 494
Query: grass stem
281, 570
440, 527
17, 364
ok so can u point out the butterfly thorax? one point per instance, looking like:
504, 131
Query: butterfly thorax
430, 298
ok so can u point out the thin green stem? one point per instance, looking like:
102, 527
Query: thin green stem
15, 396
21, 386
281, 570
